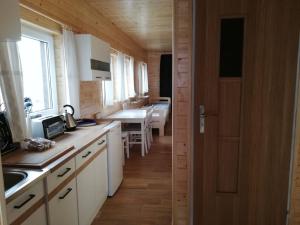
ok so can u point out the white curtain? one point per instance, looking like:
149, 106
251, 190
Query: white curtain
119, 79
71, 71
108, 97
11, 82
129, 77
143, 78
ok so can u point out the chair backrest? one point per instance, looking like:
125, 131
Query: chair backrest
149, 115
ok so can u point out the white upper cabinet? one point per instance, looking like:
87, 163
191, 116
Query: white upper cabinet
93, 58
10, 20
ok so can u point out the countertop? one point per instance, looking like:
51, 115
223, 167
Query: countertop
81, 138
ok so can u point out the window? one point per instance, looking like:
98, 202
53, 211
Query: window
143, 79
37, 60
121, 85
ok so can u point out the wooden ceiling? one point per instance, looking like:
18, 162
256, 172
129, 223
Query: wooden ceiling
148, 22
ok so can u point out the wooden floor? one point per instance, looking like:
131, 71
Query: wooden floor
144, 197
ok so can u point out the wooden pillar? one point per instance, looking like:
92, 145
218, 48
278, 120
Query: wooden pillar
182, 109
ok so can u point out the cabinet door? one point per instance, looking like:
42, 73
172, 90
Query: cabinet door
38, 217
63, 206
100, 177
85, 193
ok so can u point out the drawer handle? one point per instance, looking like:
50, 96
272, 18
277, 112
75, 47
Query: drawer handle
25, 202
68, 192
100, 143
64, 173
87, 154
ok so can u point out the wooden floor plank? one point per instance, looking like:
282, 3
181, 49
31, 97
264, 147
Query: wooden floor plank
145, 195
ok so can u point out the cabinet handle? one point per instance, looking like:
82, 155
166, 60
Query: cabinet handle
68, 191
25, 202
100, 143
64, 173
87, 154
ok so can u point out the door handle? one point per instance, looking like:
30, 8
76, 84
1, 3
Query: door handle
64, 173
31, 196
87, 154
202, 119
65, 195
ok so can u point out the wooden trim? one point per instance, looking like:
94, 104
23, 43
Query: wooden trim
29, 212
33, 17
182, 110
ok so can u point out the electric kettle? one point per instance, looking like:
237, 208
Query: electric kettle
70, 122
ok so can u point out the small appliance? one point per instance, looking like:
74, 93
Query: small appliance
47, 126
6, 141
71, 123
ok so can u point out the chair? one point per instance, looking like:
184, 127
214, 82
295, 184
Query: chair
135, 132
125, 141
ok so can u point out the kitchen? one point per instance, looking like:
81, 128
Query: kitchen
67, 180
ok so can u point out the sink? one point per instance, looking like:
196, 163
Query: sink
12, 178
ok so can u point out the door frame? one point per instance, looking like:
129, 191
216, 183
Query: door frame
295, 145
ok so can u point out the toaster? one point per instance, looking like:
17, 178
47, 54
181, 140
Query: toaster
47, 127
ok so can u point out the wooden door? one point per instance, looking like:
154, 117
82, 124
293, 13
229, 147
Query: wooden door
220, 103
241, 161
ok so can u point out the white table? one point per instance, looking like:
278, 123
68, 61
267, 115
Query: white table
131, 116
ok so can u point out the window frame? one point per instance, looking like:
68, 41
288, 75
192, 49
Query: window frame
40, 34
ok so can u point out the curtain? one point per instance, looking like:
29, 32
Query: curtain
11, 82
143, 78
71, 71
129, 77
107, 85
119, 79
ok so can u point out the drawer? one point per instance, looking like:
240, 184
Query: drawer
87, 153
59, 175
18, 206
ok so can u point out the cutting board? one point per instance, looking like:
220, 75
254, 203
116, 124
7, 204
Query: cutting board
35, 160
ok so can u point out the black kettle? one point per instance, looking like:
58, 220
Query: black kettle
70, 122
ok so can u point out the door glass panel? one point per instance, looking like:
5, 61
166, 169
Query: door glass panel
231, 47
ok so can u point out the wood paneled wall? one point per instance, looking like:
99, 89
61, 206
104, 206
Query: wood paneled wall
182, 110
83, 18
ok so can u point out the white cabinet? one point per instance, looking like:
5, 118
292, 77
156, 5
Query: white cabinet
100, 173
37, 218
63, 206
60, 174
92, 181
93, 58
85, 193
19, 206
10, 20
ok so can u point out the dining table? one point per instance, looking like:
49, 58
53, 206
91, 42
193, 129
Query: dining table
133, 116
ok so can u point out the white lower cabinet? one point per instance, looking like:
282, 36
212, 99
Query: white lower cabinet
101, 181
63, 206
92, 188
37, 218
85, 193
